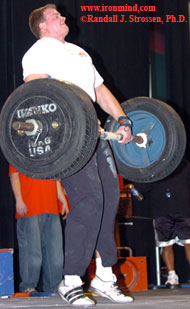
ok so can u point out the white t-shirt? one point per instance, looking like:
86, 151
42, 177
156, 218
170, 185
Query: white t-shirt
62, 61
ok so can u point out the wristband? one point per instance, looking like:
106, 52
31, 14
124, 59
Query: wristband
124, 121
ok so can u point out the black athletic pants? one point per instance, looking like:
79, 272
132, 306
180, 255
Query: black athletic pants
93, 194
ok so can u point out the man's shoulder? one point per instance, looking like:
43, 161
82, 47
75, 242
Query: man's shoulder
33, 47
40, 48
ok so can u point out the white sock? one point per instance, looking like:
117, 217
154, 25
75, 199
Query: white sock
73, 280
172, 272
104, 273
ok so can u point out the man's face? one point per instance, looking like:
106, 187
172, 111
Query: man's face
54, 24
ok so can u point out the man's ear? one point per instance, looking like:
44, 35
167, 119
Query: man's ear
42, 26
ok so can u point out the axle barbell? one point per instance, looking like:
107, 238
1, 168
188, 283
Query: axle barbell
49, 130
33, 128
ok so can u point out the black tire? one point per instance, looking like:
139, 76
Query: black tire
71, 144
166, 142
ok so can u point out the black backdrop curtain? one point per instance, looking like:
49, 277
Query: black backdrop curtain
178, 63
120, 53
7, 223
6, 50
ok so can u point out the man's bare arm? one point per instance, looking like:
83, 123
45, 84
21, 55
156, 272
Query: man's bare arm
108, 102
111, 106
35, 76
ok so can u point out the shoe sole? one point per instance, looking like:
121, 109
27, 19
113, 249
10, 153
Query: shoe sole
173, 286
99, 293
73, 304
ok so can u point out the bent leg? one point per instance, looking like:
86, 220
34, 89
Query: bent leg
106, 245
84, 191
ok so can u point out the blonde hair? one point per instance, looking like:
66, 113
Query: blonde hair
36, 17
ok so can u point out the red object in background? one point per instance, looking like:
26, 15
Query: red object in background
121, 182
131, 273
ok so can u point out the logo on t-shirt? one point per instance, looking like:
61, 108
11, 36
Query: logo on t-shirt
82, 54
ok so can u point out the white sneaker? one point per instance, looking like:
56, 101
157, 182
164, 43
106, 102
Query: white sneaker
172, 280
109, 289
74, 295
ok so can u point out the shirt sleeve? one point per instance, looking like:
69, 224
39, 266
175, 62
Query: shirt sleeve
12, 169
34, 61
98, 78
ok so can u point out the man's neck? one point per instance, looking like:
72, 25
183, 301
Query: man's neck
61, 39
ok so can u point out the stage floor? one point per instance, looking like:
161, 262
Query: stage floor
158, 298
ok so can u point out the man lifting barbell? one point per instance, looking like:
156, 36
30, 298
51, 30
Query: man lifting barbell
93, 191
49, 130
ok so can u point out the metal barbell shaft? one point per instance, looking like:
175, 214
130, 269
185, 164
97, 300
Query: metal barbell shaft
29, 127
137, 139
117, 137
23, 126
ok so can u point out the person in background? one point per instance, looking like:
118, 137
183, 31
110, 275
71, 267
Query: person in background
93, 192
169, 201
39, 230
